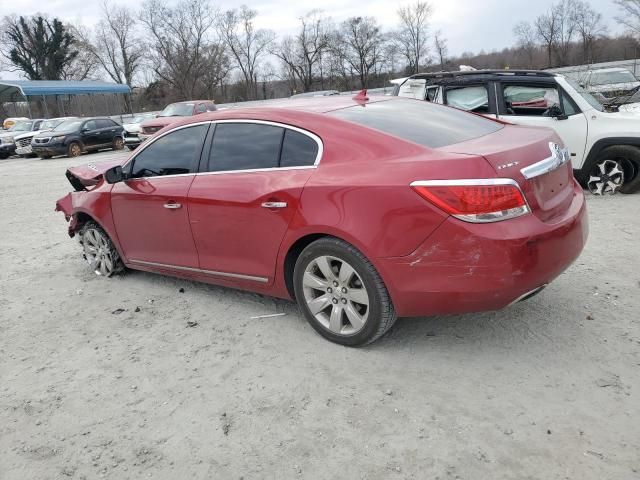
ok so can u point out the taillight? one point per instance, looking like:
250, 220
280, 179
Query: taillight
477, 201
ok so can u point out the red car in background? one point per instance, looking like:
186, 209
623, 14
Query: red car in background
172, 113
360, 210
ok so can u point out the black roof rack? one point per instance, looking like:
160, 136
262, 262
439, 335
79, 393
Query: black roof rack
505, 73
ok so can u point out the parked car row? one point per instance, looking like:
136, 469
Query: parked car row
604, 146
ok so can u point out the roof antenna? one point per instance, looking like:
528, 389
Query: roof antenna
361, 96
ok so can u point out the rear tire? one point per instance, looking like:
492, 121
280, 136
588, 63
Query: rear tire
118, 143
74, 150
615, 169
99, 251
341, 294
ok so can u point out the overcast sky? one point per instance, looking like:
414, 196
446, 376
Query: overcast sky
469, 25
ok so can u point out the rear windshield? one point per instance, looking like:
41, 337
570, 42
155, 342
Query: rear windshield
420, 122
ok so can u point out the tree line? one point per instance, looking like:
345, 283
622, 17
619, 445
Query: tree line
191, 49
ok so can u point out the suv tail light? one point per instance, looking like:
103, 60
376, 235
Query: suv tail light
477, 201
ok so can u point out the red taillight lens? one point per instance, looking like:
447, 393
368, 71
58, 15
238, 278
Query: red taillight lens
475, 200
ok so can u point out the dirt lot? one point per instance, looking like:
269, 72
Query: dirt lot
547, 389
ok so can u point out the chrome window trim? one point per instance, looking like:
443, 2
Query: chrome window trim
559, 156
315, 137
239, 276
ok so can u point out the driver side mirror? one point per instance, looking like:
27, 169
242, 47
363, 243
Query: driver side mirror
114, 174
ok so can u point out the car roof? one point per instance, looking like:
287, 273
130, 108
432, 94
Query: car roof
485, 74
611, 69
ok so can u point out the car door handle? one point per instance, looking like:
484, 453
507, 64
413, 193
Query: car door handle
172, 206
274, 204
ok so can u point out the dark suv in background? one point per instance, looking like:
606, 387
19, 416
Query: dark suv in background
74, 137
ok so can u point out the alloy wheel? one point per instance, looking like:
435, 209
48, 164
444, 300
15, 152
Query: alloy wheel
606, 177
118, 144
335, 295
74, 150
97, 252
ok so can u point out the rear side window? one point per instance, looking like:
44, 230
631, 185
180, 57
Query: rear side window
175, 153
90, 125
424, 123
201, 108
298, 150
104, 123
245, 146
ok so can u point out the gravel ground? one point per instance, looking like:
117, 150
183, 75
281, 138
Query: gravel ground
132, 377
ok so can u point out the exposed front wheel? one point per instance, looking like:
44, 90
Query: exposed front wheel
99, 251
74, 149
341, 294
616, 169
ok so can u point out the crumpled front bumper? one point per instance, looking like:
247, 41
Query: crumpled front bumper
65, 205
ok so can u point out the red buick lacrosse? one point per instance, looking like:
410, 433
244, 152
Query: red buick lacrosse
360, 209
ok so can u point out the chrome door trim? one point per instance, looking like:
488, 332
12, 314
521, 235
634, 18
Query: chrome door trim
559, 156
144, 145
206, 272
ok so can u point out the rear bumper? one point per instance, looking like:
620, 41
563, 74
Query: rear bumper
465, 267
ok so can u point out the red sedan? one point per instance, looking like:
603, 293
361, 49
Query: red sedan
359, 209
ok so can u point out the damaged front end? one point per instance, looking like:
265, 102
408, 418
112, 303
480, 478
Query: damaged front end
86, 181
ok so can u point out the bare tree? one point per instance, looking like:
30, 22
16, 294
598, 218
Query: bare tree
116, 46
247, 45
441, 48
362, 44
182, 51
547, 30
630, 16
589, 26
526, 41
566, 20
302, 54
413, 33
84, 65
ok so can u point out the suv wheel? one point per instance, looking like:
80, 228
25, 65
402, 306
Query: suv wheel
341, 294
74, 149
615, 169
118, 143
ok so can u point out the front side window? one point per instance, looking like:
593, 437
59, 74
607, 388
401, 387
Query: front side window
245, 146
175, 153
177, 110
531, 100
90, 125
471, 99
413, 88
590, 99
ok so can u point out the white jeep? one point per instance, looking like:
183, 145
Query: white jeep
605, 146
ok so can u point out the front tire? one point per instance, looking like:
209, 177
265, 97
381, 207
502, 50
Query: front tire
341, 294
615, 169
99, 251
74, 150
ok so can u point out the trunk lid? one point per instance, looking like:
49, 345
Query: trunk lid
509, 151
88, 175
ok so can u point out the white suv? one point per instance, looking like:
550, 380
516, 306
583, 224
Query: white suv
605, 146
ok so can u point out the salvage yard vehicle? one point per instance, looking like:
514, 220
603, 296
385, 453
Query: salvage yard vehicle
133, 127
7, 139
23, 141
173, 113
605, 146
359, 209
11, 121
74, 137
613, 84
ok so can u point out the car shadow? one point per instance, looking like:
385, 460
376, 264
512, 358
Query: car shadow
543, 318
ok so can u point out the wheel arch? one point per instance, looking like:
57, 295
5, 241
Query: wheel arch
603, 143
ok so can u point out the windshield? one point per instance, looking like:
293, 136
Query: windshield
606, 78
49, 124
424, 123
68, 125
591, 100
21, 127
177, 110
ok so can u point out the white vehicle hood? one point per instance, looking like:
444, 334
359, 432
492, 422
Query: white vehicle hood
613, 87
